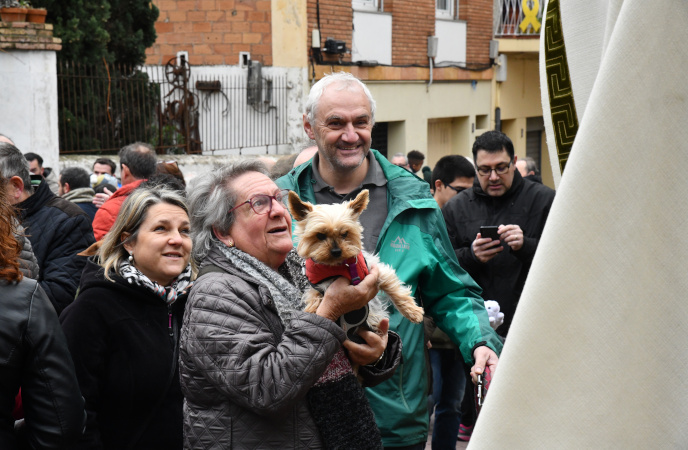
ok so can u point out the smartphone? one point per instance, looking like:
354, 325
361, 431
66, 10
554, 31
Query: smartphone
490, 232
481, 388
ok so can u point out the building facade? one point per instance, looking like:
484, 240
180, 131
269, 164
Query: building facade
442, 71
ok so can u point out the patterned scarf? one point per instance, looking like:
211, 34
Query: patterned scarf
169, 293
351, 424
286, 286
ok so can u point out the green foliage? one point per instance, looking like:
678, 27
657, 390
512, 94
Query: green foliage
81, 24
132, 27
104, 101
119, 31
169, 139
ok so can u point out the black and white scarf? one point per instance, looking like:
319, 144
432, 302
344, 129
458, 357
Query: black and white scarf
169, 293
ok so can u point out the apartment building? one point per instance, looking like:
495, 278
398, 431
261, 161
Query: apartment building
442, 71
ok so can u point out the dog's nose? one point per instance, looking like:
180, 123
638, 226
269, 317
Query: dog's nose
336, 252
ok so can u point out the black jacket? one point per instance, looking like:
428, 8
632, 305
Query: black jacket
34, 356
58, 230
123, 339
525, 204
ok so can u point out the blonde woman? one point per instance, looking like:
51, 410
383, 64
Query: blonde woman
123, 328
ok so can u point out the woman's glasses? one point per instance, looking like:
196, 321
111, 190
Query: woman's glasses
262, 203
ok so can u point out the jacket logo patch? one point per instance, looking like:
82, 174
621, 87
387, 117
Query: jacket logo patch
399, 244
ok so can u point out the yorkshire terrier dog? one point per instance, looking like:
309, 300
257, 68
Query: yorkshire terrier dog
330, 241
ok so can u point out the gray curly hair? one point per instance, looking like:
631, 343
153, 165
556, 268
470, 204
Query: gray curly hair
210, 200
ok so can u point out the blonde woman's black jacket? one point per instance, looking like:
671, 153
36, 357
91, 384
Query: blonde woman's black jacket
123, 339
35, 357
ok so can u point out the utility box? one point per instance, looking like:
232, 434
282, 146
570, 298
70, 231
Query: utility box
432, 46
500, 72
334, 46
254, 86
494, 49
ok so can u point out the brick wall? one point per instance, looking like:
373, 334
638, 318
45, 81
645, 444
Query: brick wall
478, 30
336, 17
412, 22
212, 31
28, 36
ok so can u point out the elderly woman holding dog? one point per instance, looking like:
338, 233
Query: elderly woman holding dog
256, 370
123, 327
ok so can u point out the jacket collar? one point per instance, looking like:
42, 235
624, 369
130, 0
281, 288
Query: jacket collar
93, 276
401, 194
80, 195
127, 188
41, 195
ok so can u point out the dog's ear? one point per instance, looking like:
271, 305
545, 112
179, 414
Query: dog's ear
92, 249
299, 209
360, 203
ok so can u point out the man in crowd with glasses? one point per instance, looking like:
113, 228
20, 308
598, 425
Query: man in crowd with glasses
451, 175
499, 197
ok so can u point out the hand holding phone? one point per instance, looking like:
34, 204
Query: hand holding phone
484, 380
491, 232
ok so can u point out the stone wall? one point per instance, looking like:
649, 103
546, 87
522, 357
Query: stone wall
192, 166
28, 94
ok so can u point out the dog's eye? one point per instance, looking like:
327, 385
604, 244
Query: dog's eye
321, 236
345, 234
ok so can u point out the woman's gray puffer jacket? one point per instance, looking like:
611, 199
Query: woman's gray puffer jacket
244, 377
28, 264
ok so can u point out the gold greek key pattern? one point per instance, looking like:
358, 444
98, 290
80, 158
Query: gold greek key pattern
562, 105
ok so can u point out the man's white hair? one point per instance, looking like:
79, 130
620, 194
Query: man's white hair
344, 81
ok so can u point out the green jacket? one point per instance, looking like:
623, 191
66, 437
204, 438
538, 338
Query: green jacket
414, 241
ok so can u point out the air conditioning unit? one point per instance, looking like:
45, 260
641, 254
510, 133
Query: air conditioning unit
254, 86
334, 46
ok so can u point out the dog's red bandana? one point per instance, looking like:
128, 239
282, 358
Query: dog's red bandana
355, 269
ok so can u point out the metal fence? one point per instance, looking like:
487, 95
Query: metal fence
513, 19
102, 108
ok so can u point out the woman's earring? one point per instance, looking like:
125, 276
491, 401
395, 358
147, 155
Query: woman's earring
231, 244
131, 258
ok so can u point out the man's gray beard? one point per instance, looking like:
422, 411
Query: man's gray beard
334, 162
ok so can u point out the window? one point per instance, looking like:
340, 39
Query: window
445, 9
364, 5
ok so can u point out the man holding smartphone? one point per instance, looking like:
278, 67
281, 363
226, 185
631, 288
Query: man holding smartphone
499, 197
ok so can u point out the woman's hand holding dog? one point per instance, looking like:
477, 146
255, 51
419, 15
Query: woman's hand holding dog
372, 350
342, 297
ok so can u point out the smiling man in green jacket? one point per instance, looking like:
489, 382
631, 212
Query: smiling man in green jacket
404, 225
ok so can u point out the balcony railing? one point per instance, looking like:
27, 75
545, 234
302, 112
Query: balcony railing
518, 17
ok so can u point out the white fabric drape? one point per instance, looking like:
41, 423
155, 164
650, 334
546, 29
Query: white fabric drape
597, 355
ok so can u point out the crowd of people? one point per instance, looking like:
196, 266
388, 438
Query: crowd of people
143, 313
